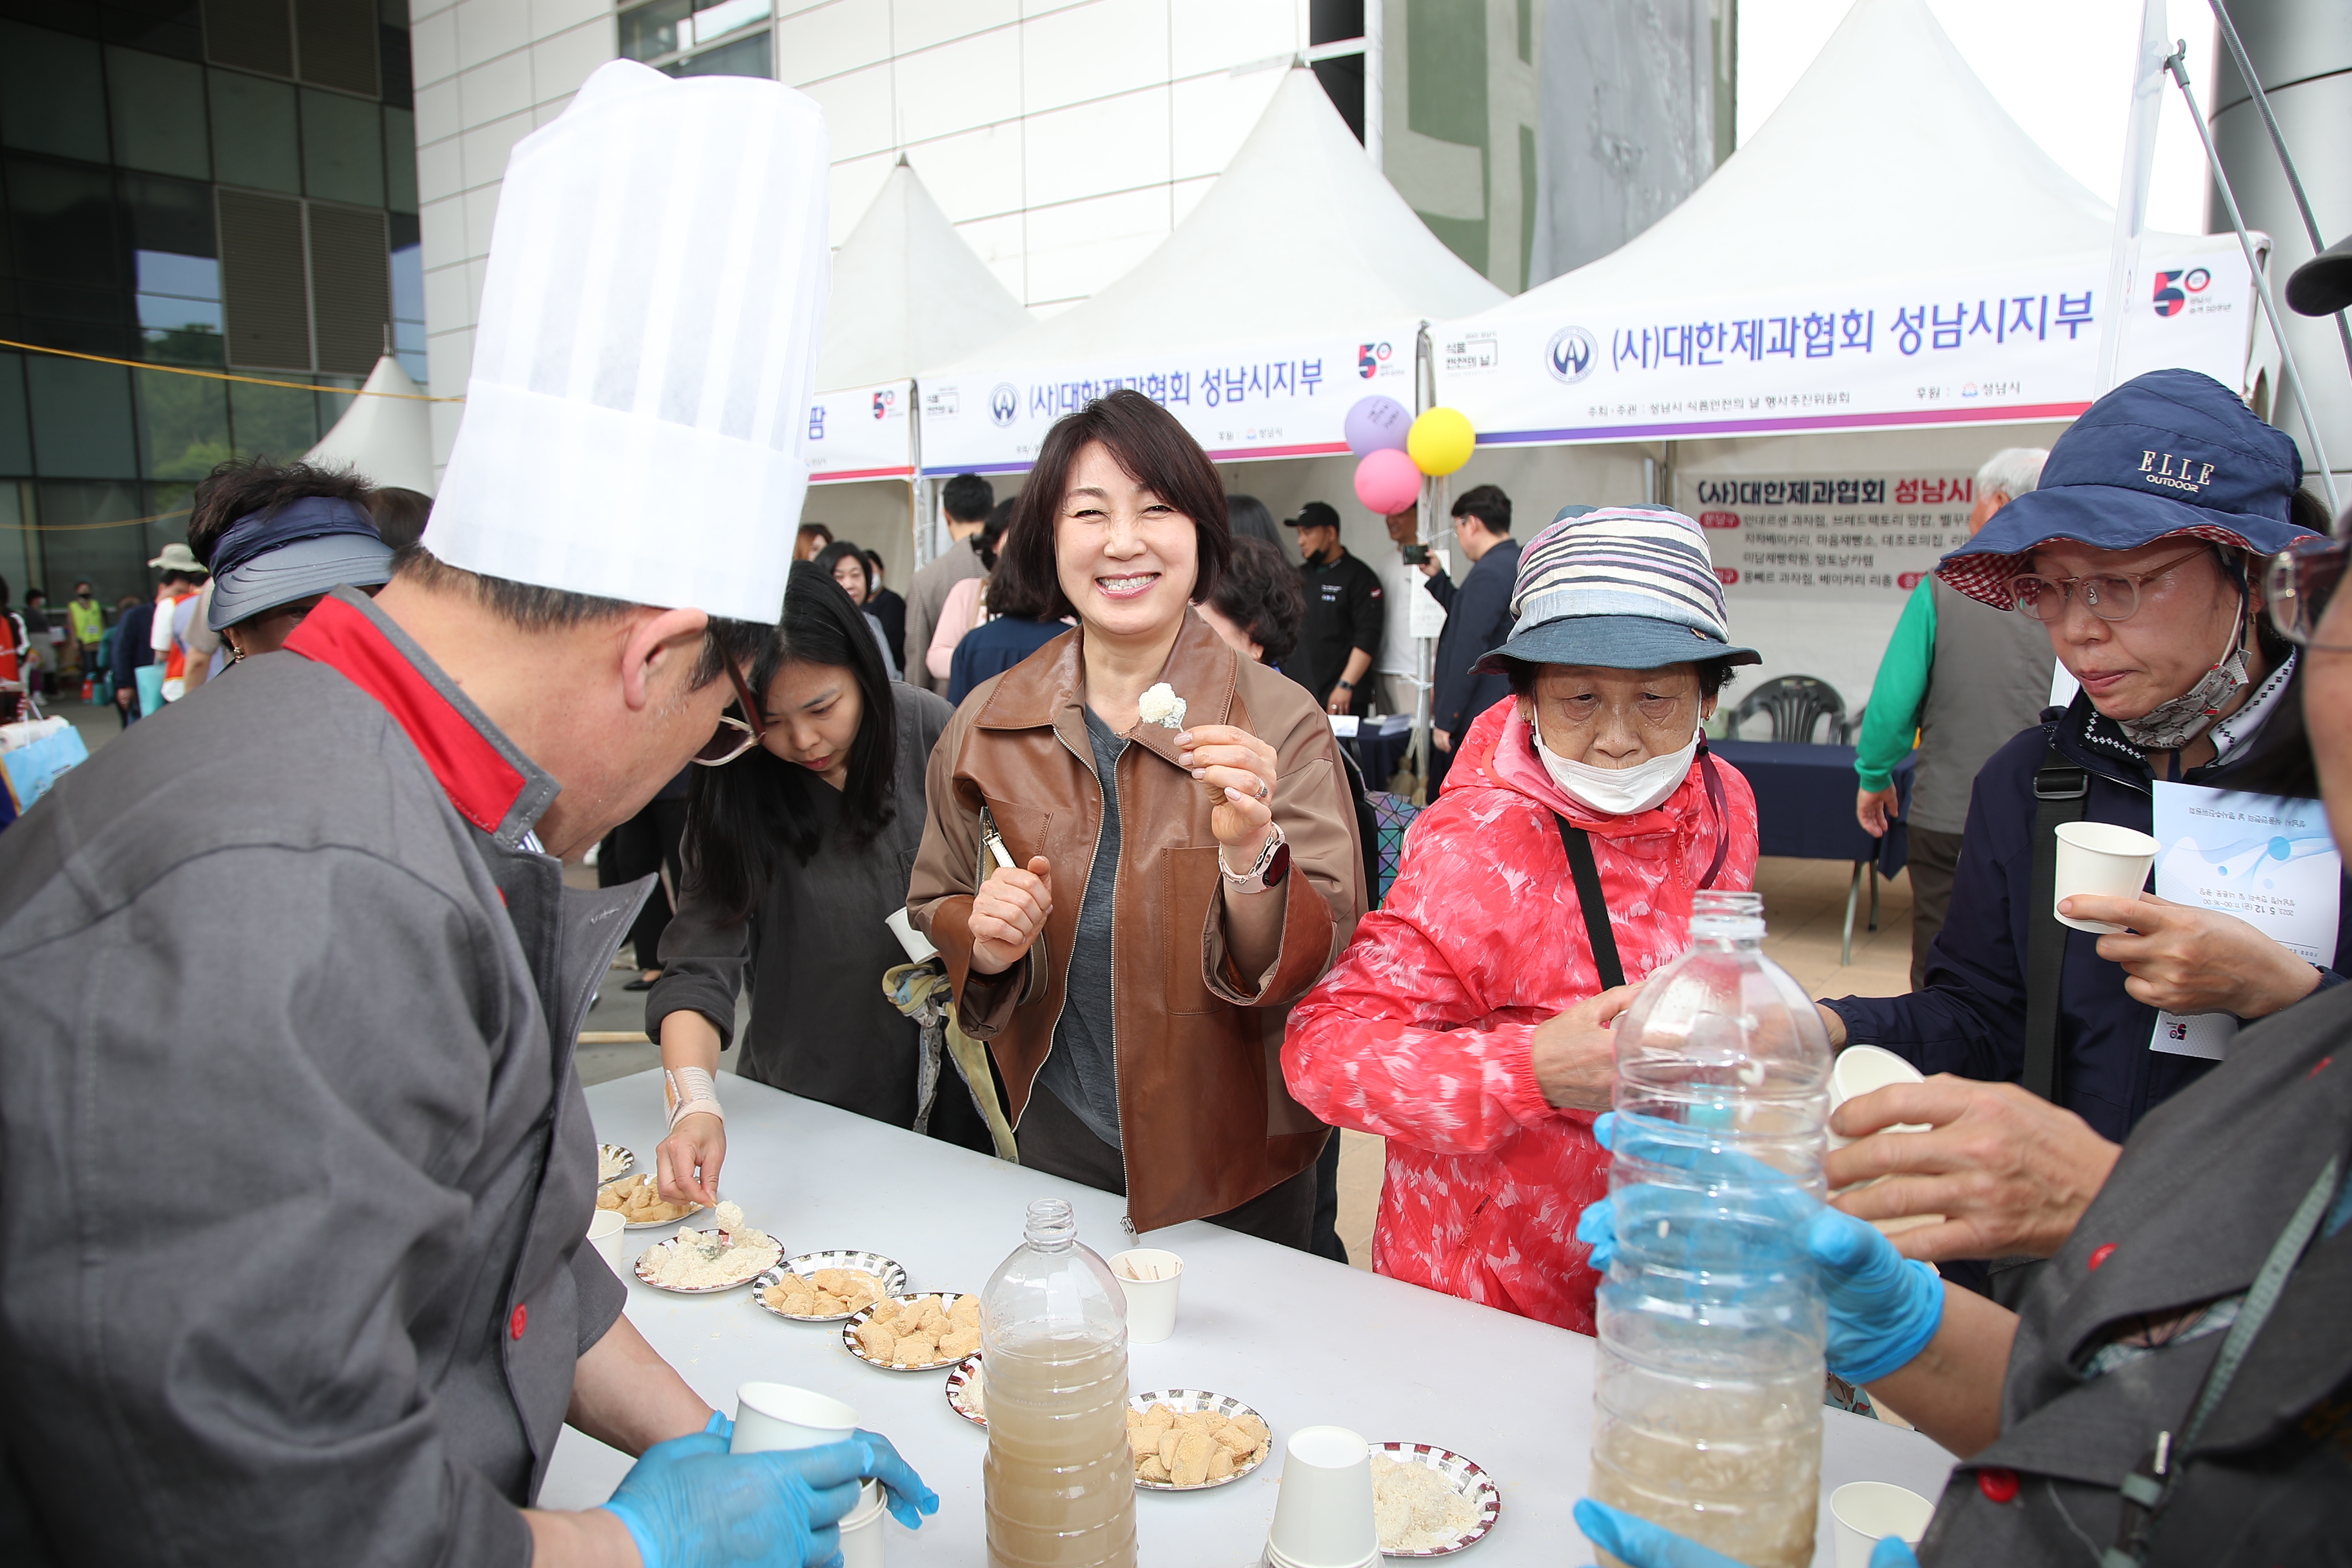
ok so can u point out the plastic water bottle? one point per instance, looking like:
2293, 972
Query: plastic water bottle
1053, 1373
1707, 1403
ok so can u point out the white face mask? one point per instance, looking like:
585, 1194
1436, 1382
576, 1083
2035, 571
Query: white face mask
1619, 792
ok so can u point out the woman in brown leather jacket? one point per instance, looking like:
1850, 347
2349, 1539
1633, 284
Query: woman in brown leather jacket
1159, 892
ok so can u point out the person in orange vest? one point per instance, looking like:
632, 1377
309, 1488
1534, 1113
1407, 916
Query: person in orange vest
165, 637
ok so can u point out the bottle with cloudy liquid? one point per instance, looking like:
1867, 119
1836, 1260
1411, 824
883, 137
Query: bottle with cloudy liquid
1707, 1399
1053, 1372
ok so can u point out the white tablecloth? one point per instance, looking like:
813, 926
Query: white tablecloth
1303, 1340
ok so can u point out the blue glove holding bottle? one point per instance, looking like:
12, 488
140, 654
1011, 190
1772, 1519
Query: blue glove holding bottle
1883, 1308
1638, 1543
688, 1503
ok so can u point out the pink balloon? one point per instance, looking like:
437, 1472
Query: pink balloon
1387, 481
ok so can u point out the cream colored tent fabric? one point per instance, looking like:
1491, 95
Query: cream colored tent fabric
387, 439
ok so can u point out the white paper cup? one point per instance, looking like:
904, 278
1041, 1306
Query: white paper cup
1864, 1513
861, 1528
1150, 1302
605, 1236
1323, 1513
2101, 857
1863, 1070
773, 1415
918, 946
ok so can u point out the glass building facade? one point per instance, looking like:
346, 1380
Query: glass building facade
206, 184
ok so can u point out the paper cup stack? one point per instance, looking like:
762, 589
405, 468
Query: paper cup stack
773, 1416
1323, 1514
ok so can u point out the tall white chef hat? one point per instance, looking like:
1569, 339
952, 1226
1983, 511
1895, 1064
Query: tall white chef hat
648, 338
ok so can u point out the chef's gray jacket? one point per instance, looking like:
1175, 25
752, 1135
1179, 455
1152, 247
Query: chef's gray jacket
295, 1161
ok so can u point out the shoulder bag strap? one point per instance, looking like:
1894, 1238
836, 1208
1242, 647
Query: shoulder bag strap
1586, 872
2060, 793
1713, 777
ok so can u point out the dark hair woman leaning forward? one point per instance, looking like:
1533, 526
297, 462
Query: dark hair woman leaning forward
798, 846
1169, 884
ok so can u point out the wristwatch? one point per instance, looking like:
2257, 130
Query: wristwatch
1346, 685
1273, 864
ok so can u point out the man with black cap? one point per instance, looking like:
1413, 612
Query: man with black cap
1344, 612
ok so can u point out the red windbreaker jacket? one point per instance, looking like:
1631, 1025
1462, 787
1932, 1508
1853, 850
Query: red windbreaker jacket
1423, 1032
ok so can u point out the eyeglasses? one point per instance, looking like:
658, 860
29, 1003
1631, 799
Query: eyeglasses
2110, 596
734, 736
2298, 583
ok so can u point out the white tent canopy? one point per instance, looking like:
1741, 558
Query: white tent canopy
1890, 249
388, 437
908, 293
1297, 286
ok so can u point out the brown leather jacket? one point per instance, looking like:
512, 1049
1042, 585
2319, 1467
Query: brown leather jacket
1204, 1117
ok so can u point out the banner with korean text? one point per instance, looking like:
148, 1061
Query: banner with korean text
1266, 400
1983, 348
864, 433
1855, 537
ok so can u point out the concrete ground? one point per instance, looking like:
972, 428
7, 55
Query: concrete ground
1804, 907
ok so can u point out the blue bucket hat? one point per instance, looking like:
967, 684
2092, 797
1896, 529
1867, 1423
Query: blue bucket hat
2168, 454
1625, 587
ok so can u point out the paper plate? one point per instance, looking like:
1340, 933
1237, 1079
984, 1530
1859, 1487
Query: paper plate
1465, 1477
888, 1274
964, 1390
689, 1289
947, 1299
1184, 1401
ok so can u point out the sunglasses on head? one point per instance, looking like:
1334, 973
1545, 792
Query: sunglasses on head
734, 736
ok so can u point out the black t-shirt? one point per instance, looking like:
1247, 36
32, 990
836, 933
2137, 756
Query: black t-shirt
1344, 613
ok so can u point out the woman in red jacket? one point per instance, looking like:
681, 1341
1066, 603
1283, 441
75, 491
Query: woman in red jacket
1468, 1023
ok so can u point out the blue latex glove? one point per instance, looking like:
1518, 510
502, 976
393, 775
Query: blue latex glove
1883, 1308
1638, 1543
688, 1503
720, 1424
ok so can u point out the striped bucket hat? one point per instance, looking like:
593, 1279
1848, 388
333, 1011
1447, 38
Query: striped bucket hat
1623, 587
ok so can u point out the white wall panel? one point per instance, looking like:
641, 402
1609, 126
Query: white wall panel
1003, 243
857, 110
831, 40
496, 89
485, 147
437, 111
433, 48
920, 24
1212, 34
549, 18
443, 224
486, 29
973, 82
974, 175
1114, 144
561, 62
1093, 51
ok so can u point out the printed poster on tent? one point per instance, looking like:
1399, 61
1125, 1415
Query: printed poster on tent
2270, 860
865, 433
1952, 350
1849, 538
1267, 400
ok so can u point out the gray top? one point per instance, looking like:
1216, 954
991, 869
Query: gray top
297, 1161
1082, 1069
1990, 679
819, 949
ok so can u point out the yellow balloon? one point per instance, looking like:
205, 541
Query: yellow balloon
1441, 441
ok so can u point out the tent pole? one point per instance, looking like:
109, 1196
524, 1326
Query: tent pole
2278, 141
1424, 658
2178, 63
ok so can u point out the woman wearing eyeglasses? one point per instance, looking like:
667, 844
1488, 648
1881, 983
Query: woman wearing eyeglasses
802, 826
2143, 554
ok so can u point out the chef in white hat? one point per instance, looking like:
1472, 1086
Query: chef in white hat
297, 1156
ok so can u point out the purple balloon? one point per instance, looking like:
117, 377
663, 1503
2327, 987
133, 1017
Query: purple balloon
1377, 424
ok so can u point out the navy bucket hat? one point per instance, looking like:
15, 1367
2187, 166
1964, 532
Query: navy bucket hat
2171, 453
1617, 588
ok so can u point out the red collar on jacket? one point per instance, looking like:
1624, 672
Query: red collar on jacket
476, 775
